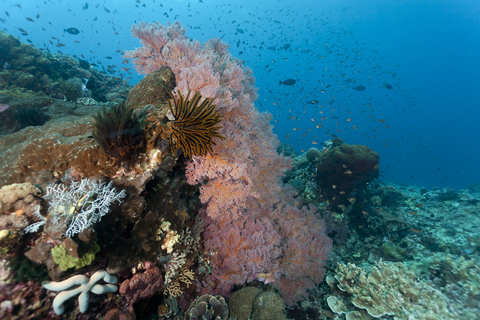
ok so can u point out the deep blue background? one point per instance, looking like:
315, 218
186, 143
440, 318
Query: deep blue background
429, 51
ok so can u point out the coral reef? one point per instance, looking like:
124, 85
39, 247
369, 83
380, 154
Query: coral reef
344, 169
388, 289
242, 167
225, 214
22, 300
207, 307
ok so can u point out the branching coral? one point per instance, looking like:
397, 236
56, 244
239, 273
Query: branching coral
194, 125
119, 132
82, 204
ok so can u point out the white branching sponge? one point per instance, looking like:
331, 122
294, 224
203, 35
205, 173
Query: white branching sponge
81, 203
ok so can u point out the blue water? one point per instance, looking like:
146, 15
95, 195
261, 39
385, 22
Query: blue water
428, 51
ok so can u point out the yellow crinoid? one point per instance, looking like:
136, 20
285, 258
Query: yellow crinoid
194, 124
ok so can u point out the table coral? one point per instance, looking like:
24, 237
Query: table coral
388, 289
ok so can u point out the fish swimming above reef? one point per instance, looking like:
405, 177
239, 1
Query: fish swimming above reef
3, 107
359, 88
90, 85
288, 82
84, 64
313, 102
72, 30
388, 86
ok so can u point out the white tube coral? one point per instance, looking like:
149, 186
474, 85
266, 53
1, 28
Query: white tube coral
85, 285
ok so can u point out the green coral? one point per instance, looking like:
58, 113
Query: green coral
66, 261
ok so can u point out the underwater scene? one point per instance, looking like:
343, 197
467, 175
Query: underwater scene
264, 160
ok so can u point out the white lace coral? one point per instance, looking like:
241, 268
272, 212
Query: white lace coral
85, 285
82, 203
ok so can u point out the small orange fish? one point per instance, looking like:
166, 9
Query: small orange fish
349, 119
314, 142
342, 192
414, 230
364, 212
352, 199
412, 212
334, 186
375, 166
348, 172
324, 150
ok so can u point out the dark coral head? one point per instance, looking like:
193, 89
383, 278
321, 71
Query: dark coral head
194, 125
119, 132
31, 117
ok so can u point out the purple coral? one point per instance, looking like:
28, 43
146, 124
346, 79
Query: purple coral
142, 285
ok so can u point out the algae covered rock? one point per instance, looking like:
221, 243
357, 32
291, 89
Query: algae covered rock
313, 154
343, 169
66, 261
